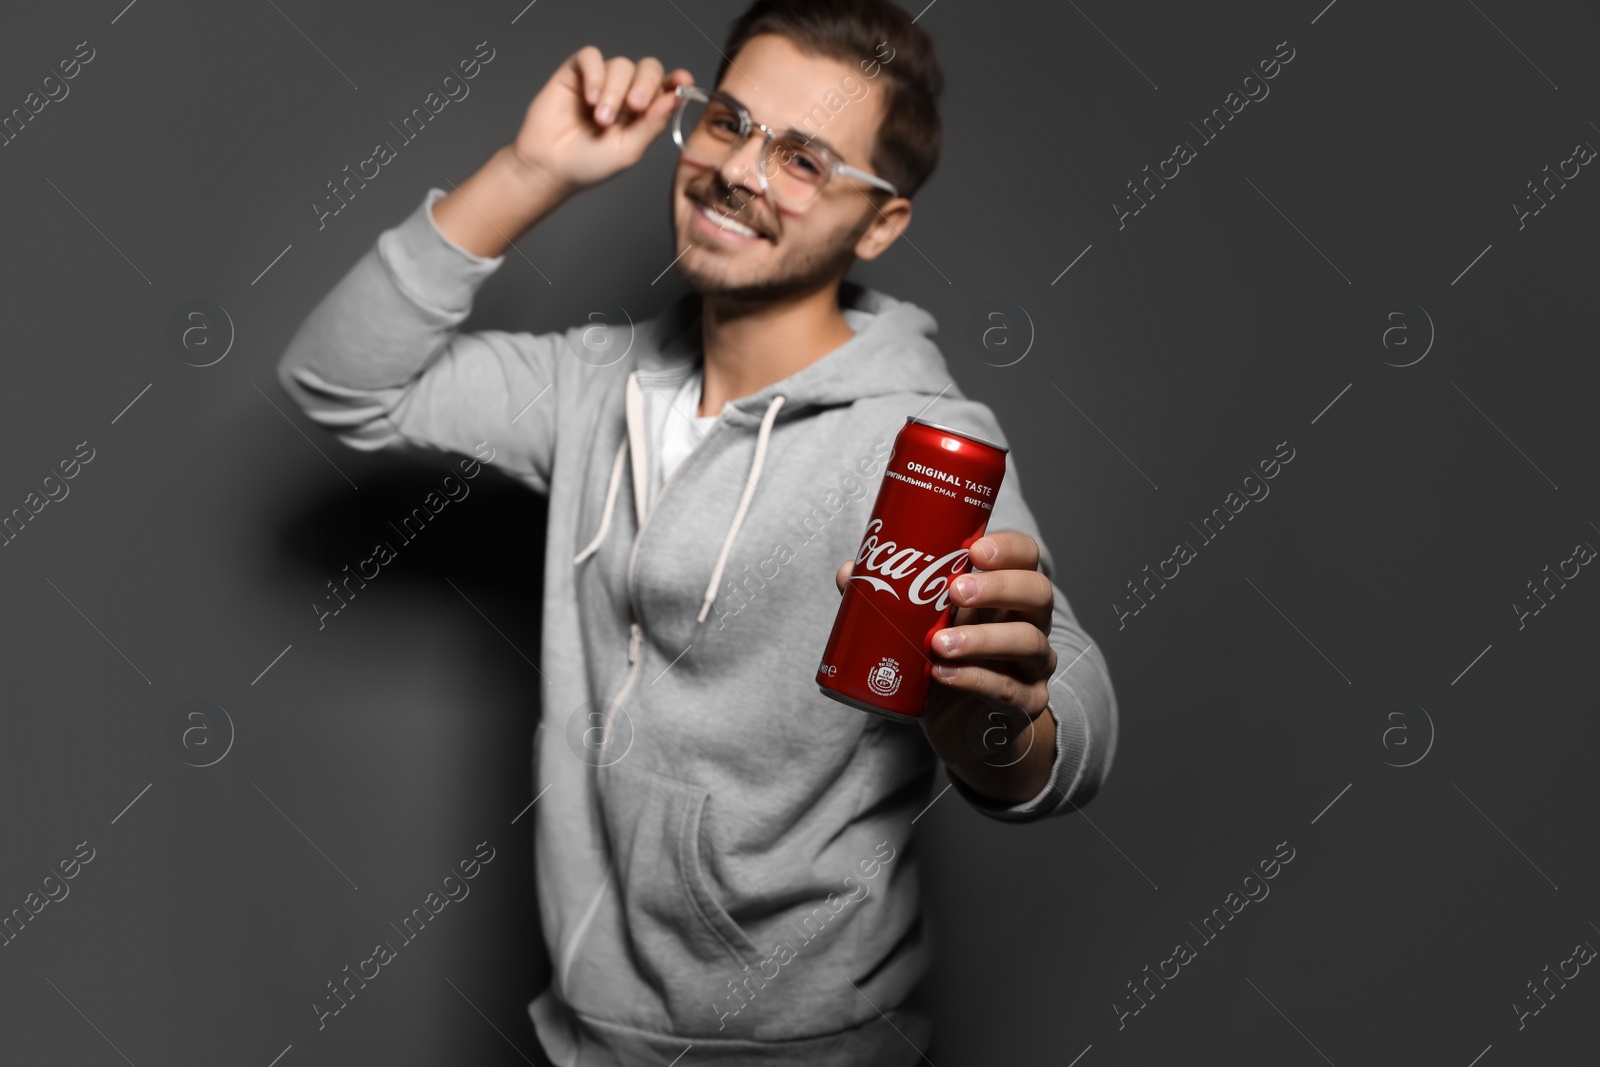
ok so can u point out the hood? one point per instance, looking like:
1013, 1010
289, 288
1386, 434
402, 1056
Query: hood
891, 352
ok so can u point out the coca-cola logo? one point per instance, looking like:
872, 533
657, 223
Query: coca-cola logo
931, 584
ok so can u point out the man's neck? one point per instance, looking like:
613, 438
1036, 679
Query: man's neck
748, 348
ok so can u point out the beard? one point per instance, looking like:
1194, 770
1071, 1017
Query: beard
804, 266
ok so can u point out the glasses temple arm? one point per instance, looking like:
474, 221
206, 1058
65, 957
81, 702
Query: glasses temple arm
870, 179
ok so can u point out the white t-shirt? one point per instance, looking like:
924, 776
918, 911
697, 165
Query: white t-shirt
679, 429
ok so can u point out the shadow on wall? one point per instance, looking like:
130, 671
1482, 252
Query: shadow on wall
440, 522
486, 535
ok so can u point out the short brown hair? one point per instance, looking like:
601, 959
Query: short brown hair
872, 32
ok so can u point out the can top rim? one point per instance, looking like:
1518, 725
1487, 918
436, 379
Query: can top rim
958, 433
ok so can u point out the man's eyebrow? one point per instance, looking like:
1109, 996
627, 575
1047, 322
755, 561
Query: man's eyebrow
792, 131
809, 139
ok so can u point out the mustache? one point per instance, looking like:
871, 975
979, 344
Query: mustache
718, 194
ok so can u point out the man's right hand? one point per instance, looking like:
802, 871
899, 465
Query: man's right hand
593, 118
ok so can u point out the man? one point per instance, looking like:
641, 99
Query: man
723, 854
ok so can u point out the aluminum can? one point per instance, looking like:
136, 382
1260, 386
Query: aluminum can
935, 500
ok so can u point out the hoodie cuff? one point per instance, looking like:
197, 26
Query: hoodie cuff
428, 267
1064, 770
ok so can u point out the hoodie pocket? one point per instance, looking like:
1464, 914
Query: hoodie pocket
665, 927
694, 845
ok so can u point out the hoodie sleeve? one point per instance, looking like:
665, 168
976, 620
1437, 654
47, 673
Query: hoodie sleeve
379, 360
1081, 695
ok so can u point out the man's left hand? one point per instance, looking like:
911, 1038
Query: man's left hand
992, 669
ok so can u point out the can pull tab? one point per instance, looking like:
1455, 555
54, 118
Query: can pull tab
635, 642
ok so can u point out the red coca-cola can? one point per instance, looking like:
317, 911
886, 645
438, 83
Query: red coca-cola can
937, 494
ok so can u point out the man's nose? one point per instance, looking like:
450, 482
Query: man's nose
741, 170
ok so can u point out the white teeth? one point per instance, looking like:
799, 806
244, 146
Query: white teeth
726, 221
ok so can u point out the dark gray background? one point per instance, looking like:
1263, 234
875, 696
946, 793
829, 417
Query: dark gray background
1255, 689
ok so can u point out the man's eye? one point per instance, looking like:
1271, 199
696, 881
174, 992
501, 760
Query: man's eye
809, 164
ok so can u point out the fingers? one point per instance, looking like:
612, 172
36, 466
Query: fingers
1022, 643
618, 76
604, 82
591, 72
646, 80
1025, 591
1006, 550
1031, 696
662, 106
613, 86
842, 577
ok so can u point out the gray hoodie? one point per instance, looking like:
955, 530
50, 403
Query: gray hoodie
723, 855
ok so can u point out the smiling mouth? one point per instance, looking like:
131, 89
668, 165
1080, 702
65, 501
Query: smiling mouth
725, 220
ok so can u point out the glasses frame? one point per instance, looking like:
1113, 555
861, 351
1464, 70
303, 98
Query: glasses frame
836, 166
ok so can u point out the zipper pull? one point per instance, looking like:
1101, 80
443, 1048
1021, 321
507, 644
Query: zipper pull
635, 642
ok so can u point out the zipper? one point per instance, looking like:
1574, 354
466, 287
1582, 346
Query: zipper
635, 662
636, 625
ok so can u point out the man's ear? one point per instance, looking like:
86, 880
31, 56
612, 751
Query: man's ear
889, 221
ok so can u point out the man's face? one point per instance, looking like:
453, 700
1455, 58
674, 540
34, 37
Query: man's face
793, 250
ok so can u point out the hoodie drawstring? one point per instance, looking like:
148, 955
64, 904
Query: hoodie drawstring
634, 443
611, 505
744, 504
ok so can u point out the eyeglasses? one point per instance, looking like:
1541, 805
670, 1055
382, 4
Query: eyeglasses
709, 127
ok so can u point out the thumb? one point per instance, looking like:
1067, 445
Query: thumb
662, 107
842, 576
647, 126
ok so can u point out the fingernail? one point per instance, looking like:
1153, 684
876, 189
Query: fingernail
966, 587
943, 673
952, 640
986, 550
603, 113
